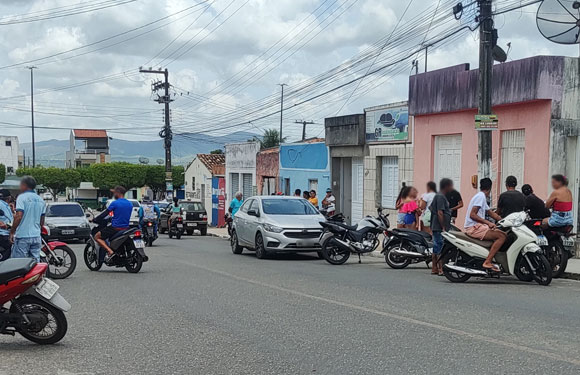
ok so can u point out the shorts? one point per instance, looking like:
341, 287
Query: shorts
561, 219
410, 218
109, 232
27, 248
401, 218
478, 231
437, 242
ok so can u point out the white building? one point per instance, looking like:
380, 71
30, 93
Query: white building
198, 179
9, 149
87, 146
241, 169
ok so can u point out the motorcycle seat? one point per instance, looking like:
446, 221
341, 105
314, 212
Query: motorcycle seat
465, 237
121, 233
12, 269
421, 233
343, 225
564, 230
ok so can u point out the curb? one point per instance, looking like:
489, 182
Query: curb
571, 276
223, 237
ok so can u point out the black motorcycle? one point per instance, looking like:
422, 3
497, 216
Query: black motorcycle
149, 231
557, 244
407, 246
177, 228
128, 246
338, 240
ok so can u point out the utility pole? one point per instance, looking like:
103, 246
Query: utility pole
32, 112
281, 109
426, 50
304, 123
166, 133
485, 77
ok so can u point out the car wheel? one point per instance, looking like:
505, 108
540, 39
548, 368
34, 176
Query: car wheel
261, 252
203, 231
236, 248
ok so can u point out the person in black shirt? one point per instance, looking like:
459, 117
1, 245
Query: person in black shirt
511, 200
455, 202
535, 205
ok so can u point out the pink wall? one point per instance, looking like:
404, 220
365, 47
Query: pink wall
534, 117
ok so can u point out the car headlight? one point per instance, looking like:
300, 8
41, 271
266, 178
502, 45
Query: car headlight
85, 225
272, 228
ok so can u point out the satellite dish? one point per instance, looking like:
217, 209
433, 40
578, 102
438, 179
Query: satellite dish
499, 54
160, 161
559, 21
143, 160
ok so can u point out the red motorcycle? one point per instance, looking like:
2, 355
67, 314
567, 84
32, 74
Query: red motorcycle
60, 258
36, 308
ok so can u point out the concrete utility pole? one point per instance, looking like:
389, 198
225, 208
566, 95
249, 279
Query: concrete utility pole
166, 133
304, 123
485, 77
281, 109
32, 112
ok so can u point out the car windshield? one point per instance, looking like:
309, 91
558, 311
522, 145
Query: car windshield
288, 207
191, 206
135, 203
64, 210
162, 205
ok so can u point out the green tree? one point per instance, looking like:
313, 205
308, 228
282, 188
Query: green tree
155, 179
218, 151
109, 175
85, 174
2, 173
55, 180
271, 138
178, 174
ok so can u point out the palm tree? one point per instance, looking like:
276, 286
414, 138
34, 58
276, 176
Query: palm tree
271, 138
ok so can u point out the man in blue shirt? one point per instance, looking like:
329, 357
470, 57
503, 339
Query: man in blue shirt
28, 219
236, 203
121, 209
6, 218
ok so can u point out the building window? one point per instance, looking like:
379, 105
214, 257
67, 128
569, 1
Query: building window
10, 170
8, 143
193, 183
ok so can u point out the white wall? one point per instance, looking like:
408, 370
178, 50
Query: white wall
9, 154
240, 159
202, 176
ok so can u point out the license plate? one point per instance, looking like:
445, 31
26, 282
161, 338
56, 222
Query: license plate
139, 244
302, 243
568, 241
47, 288
69, 231
192, 224
542, 240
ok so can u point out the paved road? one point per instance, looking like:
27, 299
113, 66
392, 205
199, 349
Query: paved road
198, 309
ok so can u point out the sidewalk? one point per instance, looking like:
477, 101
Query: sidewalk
218, 232
573, 269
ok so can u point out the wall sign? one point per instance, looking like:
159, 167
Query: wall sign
486, 122
387, 125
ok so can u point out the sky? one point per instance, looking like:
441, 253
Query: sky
226, 58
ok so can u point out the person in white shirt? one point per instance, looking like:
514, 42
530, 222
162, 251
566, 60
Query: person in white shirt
424, 205
328, 203
476, 226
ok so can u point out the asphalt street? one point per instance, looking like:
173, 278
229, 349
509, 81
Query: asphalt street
196, 308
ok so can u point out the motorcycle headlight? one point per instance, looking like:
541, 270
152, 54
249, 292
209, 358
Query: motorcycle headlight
272, 228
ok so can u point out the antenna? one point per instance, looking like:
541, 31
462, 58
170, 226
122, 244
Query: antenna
559, 21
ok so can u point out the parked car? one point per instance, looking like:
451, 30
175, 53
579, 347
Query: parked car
47, 196
272, 224
67, 221
194, 217
161, 204
135, 214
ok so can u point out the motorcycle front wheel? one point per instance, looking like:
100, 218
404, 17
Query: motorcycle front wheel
49, 327
64, 264
91, 258
334, 254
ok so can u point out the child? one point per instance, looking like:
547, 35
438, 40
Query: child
411, 209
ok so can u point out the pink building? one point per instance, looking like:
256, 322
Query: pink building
537, 101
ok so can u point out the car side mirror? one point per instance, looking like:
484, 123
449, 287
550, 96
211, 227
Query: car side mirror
88, 214
253, 213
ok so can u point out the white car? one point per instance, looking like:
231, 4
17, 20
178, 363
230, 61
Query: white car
135, 214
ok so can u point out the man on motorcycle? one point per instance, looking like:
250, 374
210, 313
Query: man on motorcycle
176, 211
121, 209
149, 211
328, 203
511, 200
6, 218
476, 226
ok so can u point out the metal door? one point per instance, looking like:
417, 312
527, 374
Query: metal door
247, 185
235, 186
357, 190
389, 181
448, 159
512, 156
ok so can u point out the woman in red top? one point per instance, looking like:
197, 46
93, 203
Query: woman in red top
560, 201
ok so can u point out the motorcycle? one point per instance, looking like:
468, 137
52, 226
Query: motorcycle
60, 258
463, 257
229, 220
128, 246
36, 308
557, 243
338, 240
403, 247
149, 232
176, 229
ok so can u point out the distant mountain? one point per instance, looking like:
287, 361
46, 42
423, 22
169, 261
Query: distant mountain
184, 148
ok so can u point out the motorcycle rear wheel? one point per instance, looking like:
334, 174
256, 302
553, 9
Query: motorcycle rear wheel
395, 261
69, 263
543, 271
135, 264
333, 254
52, 331
91, 260
557, 257
453, 276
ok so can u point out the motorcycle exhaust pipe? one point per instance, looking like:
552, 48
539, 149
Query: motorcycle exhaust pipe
469, 271
343, 245
408, 254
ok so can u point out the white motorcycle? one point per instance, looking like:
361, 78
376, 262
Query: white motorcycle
463, 256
